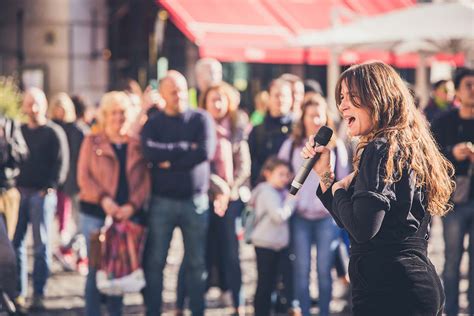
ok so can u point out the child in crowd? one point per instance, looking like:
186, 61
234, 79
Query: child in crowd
273, 207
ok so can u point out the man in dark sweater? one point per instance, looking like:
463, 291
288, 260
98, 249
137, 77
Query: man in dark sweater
454, 132
179, 142
39, 177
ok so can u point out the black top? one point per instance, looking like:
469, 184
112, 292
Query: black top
266, 140
75, 133
449, 130
433, 112
188, 142
48, 163
121, 196
373, 212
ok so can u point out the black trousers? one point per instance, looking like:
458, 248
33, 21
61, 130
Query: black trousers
223, 261
8, 274
395, 282
268, 262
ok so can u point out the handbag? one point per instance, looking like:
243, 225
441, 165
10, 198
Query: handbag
120, 258
463, 187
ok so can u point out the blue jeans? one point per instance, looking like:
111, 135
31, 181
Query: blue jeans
222, 255
89, 224
38, 209
191, 216
456, 225
324, 233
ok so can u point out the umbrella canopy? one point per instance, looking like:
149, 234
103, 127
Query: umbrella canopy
443, 25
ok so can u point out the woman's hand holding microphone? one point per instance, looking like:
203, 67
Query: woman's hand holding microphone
323, 168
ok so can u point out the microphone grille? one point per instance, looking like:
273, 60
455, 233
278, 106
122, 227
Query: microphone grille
323, 136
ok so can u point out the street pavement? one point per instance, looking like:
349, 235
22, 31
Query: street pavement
64, 293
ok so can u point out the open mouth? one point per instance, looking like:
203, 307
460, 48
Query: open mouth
350, 120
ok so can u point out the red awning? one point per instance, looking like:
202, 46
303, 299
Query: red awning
232, 30
259, 30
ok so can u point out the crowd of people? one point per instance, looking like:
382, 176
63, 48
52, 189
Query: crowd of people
148, 157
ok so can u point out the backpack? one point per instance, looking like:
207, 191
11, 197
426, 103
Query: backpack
249, 222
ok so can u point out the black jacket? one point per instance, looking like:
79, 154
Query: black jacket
13, 151
265, 140
450, 129
75, 133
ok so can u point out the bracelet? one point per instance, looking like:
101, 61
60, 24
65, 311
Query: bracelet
327, 179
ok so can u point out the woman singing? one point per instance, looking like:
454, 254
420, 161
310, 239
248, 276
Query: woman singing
400, 181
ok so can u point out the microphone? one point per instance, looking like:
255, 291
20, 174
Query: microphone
321, 139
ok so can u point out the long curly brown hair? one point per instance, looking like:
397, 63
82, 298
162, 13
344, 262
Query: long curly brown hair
378, 87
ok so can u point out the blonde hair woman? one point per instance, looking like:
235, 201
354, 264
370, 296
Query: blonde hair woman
114, 180
400, 181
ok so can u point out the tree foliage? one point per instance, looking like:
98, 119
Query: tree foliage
10, 97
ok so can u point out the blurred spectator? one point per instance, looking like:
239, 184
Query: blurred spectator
83, 113
208, 73
441, 100
271, 237
230, 170
229, 183
114, 181
13, 151
179, 142
297, 92
312, 223
41, 174
312, 87
261, 101
266, 139
131, 86
454, 132
63, 112
8, 274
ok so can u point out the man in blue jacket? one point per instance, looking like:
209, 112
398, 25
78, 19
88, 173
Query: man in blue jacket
179, 142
